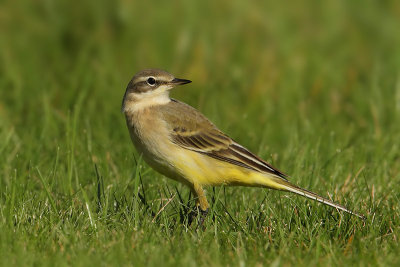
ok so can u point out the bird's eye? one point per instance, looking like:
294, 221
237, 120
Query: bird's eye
151, 81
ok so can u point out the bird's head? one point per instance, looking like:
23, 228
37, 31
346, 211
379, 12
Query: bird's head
149, 87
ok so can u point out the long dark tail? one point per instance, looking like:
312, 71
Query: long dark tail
305, 193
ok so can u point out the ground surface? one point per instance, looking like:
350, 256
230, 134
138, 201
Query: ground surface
312, 87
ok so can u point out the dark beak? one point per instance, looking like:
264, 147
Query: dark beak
177, 81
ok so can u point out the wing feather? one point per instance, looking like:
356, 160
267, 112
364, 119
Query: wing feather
211, 144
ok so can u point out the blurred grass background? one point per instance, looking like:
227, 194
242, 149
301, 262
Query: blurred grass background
313, 87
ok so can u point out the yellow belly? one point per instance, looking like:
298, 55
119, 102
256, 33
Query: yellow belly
204, 170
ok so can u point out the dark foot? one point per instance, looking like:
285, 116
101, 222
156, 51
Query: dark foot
197, 213
203, 215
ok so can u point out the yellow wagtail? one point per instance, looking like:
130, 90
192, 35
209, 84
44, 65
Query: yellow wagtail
181, 143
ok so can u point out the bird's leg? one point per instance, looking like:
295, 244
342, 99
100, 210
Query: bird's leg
201, 203
201, 200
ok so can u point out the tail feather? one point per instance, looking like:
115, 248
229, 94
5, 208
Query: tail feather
303, 192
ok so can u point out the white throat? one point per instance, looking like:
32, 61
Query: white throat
139, 102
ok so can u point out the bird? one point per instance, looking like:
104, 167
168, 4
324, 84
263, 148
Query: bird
179, 142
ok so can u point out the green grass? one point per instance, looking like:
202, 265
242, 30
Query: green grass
312, 87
